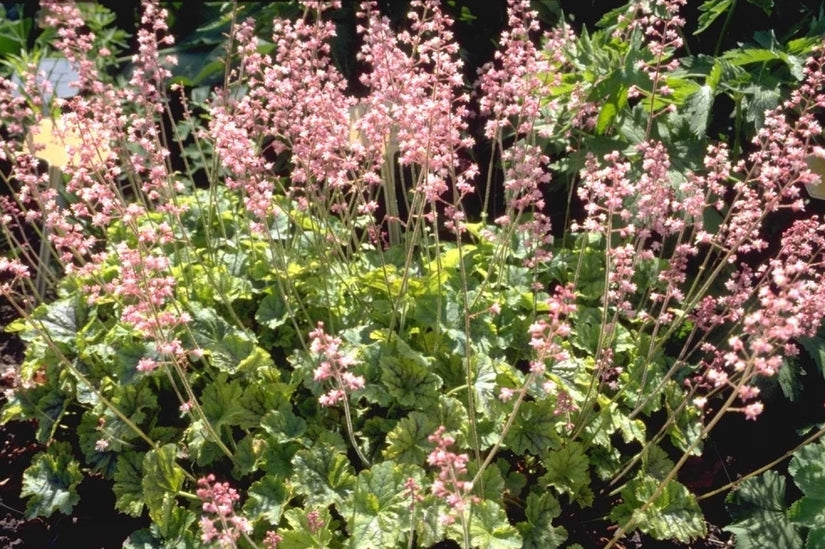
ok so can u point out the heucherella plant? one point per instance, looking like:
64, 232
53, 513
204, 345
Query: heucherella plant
277, 319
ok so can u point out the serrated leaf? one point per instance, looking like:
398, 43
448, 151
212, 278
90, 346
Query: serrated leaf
607, 115
409, 380
698, 108
568, 471
807, 467
489, 527
655, 462
538, 531
534, 429
162, 477
50, 482
222, 403
128, 487
788, 377
407, 441
815, 347
323, 475
226, 345
302, 535
672, 514
380, 509
58, 320
266, 499
283, 425
172, 524
710, 11
758, 507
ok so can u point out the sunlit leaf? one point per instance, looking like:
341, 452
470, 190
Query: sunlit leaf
50, 482
757, 507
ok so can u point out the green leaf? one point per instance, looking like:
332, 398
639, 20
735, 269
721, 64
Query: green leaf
58, 320
568, 471
380, 509
607, 115
408, 377
128, 487
407, 441
490, 529
789, 378
50, 482
283, 425
162, 479
301, 535
655, 462
765, 5
323, 475
815, 347
672, 514
538, 531
266, 500
698, 108
272, 312
222, 403
534, 429
710, 10
226, 345
807, 467
758, 507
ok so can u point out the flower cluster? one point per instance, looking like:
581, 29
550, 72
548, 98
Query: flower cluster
221, 525
547, 332
334, 365
451, 467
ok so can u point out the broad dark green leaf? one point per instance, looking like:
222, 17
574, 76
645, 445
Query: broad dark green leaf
672, 514
534, 429
489, 527
538, 531
323, 475
128, 487
568, 471
50, 482
380, 508
709, 11
807, 467
758, 509
162, 479
266, 499
407, 441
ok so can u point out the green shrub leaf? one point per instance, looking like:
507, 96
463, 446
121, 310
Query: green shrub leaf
128, 487
568, 472
324, 475
758, 507
489, 528
672, 514
538, 531
807, 468
162, 479
50, 482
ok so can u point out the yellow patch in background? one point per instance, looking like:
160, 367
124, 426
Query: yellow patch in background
53, 138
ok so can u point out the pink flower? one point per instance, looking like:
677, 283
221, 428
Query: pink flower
272, 540
448, 486
752, 411
218, 502
334, 366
